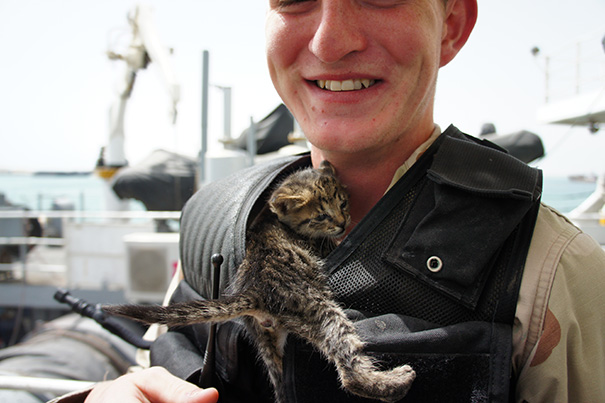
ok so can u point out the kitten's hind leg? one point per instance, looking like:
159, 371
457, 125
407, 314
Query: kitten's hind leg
335, 336
363, 378
270, 343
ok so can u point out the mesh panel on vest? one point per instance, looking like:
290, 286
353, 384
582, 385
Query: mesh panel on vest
366, 283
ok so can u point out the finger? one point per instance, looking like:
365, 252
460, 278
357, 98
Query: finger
160, 386
209, 395
154, 385
121, 389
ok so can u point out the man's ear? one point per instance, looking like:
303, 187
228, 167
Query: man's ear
460, 19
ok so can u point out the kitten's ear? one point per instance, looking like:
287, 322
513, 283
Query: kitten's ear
282, 202
327, 168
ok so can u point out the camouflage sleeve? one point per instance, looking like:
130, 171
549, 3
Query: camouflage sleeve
74, 397
567, 364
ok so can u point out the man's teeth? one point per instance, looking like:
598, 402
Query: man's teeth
346, 85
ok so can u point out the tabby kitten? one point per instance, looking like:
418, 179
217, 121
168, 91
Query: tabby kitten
281, 288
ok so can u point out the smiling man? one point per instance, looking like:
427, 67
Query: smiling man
452, 264
394, 49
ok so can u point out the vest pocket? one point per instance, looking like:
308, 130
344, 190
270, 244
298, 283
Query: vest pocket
451, 237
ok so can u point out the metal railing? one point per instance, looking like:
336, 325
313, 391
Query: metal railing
42, 385
83, 215
23, 242
574, 68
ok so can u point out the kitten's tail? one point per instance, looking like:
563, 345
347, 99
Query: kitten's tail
185, 313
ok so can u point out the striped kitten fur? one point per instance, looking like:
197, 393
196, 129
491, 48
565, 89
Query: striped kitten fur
281, 288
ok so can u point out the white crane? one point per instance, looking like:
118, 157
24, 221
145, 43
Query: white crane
145, 47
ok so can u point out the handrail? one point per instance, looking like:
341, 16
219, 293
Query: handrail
595, 217
81, 216
574, 68
31, 240
90, 214
42, 385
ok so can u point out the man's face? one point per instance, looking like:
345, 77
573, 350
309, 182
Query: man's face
387, 51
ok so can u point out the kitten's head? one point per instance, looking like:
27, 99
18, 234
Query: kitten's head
312, 202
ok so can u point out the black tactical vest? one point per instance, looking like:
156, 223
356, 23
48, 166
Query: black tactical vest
431, 277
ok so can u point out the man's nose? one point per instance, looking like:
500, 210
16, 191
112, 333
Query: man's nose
339, 32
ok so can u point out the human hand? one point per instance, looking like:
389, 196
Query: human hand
153, 385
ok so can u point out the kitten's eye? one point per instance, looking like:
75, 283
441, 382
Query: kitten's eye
322, 217
344, 205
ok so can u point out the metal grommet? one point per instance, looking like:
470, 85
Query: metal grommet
434, 264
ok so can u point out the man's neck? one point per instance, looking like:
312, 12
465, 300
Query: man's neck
366, 186
367, 177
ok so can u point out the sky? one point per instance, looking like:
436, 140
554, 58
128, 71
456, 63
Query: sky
57, 83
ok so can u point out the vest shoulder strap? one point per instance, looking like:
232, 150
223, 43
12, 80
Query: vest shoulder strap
214, 220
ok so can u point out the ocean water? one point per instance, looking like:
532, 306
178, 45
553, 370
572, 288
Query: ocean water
86, 192
564, 194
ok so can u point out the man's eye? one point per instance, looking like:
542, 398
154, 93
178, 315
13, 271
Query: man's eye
285, 3
384, 3
292, 5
